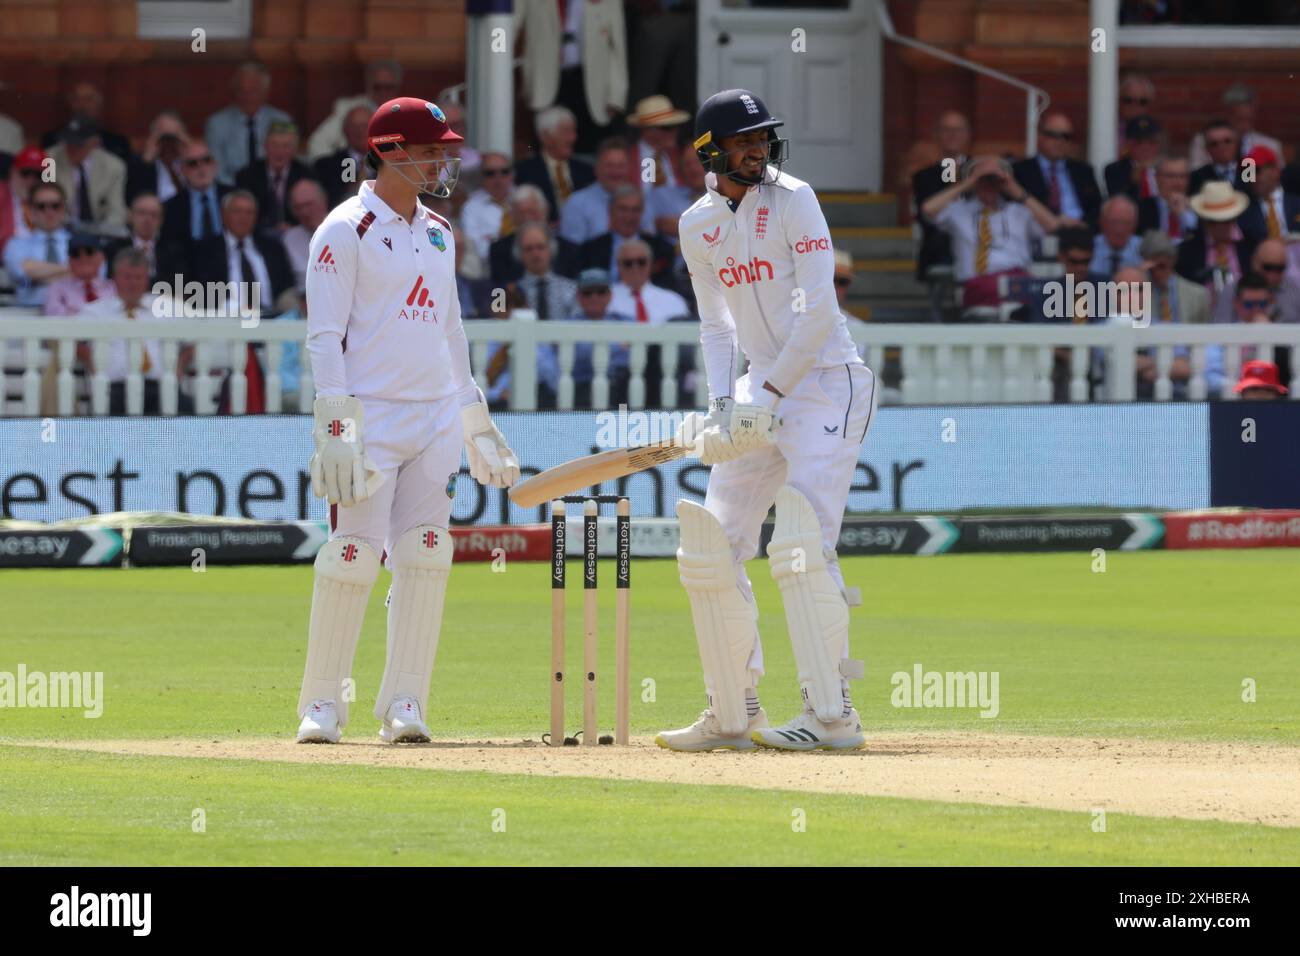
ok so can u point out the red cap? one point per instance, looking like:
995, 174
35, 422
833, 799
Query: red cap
1262, 156
30, 157
1259, 374
410, 120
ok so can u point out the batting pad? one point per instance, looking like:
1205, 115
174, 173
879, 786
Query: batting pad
816, 611
346, 569
726, 626
421, 563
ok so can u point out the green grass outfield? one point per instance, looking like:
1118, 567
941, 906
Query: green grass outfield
1158, 646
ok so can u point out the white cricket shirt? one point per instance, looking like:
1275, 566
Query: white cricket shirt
746, 267
383, 317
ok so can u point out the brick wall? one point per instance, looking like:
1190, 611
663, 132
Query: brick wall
315, 49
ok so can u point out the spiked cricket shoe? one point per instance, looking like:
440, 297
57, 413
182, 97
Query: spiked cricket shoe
403, 723
320, 725
807, 732
706, 734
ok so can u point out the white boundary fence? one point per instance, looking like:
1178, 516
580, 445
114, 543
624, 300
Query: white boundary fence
942, 364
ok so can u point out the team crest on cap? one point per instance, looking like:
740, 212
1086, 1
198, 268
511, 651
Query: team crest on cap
435, 237
437, 113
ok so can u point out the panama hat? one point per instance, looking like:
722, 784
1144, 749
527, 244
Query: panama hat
1219, 202
657, 111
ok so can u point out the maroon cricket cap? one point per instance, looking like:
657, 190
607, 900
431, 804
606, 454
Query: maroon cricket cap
410, 120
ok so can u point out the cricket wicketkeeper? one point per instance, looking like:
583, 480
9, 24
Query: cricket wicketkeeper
788, 431
395, 398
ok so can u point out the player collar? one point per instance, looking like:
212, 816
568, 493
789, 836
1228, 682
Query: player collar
383, 212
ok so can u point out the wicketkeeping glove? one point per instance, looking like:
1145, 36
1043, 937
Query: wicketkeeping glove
341, 472
491, 462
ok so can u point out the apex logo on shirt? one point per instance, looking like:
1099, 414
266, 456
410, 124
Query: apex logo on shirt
820, 244
733, 275
712, 237
420, 304
325, 262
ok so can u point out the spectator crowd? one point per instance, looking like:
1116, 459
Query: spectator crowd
1213, 232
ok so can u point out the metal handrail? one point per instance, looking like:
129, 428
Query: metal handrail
1035, 93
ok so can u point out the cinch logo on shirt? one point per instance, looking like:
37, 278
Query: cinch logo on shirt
421, 304
325, 262
746, 272
812, 245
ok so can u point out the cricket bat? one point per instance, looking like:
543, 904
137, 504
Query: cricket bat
573, 476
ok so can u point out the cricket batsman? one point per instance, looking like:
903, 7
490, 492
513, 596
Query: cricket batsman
395, 398
788, 432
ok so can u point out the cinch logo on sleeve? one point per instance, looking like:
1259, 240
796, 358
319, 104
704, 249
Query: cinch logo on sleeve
325, 262
746, 272
805, 244
420, 302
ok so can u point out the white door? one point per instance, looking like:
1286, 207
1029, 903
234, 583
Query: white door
817, 68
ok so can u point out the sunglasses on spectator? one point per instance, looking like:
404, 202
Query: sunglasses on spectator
1057, 134
1255, 305
1134, 100
47, 206
497, 171
1079, 260
33, 173
595, 290
1221, 141
197, 161
843, 282
639, 263
1273, 266
78, 253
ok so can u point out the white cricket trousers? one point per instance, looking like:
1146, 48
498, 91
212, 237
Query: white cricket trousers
417, 445
824, 422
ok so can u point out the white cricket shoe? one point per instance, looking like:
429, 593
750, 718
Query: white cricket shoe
807, 732
706, 734
403, 724
320, 725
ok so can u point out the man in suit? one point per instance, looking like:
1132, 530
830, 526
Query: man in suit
194, 213
554, 170
236, 135
1239, 109
157, 170
238, 255
952, 132
657, 121
1270, 262
271, 179
1135, 175
85, 100
1221, 146
257, 272
1174, 299
1168, 211
1218, 254
1068, 187
144, 220
527, 205
94, 178
343, 171
625, 211
1272, 212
